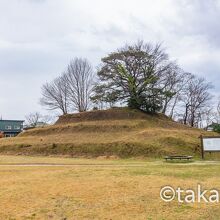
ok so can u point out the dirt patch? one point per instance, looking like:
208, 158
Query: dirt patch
111, 157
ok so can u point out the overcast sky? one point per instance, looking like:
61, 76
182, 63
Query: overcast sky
38, 38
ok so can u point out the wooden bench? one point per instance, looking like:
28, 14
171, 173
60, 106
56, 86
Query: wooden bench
176, 157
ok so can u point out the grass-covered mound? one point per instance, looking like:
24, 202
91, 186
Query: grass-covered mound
119, 131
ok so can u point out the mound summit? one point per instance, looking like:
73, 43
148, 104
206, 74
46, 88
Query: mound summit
109, 114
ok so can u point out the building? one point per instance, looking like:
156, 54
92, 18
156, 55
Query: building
10, 128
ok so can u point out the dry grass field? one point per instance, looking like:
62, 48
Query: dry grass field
101, 189
118, 174
118, 132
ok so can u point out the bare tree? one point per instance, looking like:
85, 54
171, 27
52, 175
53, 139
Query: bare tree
218, 111
181, 83
171, 80
208, 116
32, 119
48, 119
216, 117
79, 80
55, 95
196, 97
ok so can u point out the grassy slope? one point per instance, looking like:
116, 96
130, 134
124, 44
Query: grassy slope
121, 132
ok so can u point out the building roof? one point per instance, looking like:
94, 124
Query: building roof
11, 120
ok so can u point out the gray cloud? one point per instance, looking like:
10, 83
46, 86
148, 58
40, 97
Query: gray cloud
39, 37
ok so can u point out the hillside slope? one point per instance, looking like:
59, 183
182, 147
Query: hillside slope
120, 132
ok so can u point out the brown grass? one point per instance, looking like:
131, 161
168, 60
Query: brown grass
129, 133
109, 114
121, 191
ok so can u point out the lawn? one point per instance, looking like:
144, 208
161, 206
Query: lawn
101, 189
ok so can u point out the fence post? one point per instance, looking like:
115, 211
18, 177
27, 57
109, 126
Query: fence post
202, 147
